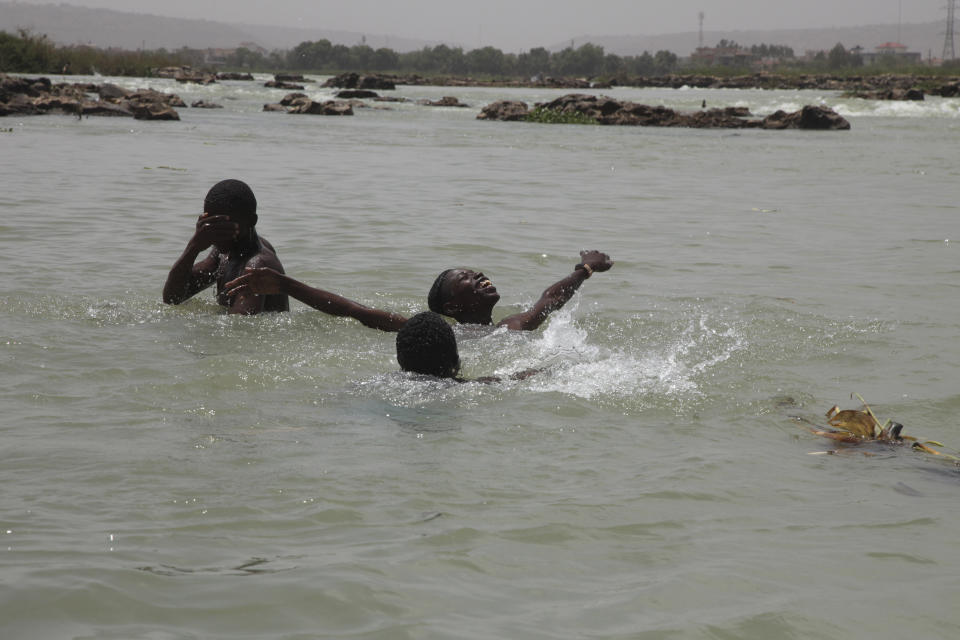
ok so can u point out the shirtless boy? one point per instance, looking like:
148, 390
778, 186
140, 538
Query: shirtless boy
228, 226
465, 295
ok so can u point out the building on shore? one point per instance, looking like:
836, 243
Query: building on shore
723, 57
888, 52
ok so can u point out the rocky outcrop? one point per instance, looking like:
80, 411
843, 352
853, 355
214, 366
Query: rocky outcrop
36, 96
445, 101
950, 90
203, 104
357, 94
504, 110
155, 97
357, 81
809, 117
279, 84
232, 75
888, 94
301, 103
326, 108
290, 77
206, 78
608, 111
759, 80
152, 111
173, 72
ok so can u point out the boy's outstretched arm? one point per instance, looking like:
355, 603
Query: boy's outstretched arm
557, 294
264, 281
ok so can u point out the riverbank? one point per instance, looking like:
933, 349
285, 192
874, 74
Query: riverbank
933, 85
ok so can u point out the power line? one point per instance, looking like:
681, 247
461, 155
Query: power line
948, 51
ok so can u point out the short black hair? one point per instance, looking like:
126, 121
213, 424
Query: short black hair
426, 344
433, 298
231, 198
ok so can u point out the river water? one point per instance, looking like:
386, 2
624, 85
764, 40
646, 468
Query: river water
172, 472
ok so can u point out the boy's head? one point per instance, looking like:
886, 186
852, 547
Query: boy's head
426, 344
462, 291
234, 199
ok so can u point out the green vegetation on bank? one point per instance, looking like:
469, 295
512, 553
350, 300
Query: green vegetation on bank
25, 52
29, 53
552, 116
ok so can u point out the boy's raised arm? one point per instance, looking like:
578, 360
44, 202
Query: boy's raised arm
557, 294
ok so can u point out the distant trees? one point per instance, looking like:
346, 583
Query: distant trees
840, 58
587, 60
772, 51
26, 52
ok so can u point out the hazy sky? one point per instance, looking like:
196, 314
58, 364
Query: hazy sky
523, 24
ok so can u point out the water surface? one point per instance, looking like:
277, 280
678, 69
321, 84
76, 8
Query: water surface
171, 472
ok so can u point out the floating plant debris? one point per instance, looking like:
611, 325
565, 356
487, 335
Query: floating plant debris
861, 426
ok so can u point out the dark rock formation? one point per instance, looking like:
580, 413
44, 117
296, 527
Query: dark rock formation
357, 94
292, 98
357, 81
101, 108
152, 111
277, 84
504, 110
951, 90
157, 97
445, 101
203, 104
230, 75
809, 117
888, 94
301, 103
173, 72
609, 111
328, 108
110, 92
34, 96
197, 78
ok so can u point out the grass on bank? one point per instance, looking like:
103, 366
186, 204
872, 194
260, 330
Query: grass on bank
553, 116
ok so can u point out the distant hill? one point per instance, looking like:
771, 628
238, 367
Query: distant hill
67, 24
925, 38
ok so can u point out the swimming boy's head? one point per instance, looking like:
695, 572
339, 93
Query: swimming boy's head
462, 293
426, 344
234, 199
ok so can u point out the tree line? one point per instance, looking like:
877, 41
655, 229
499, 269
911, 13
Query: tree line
26, 52
585, 60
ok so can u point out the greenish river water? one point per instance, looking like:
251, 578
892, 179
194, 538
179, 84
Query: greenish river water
172, 472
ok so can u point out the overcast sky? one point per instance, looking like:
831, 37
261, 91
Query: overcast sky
514, 25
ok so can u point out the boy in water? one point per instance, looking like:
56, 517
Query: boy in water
426, 345
469, 297
228, 225
465, 295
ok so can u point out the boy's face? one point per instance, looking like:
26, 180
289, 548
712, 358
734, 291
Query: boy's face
468, 290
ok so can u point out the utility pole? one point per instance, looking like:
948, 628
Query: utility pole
701, 30
899, 19
948, 52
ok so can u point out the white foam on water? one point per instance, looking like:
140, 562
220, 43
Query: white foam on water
669, 367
